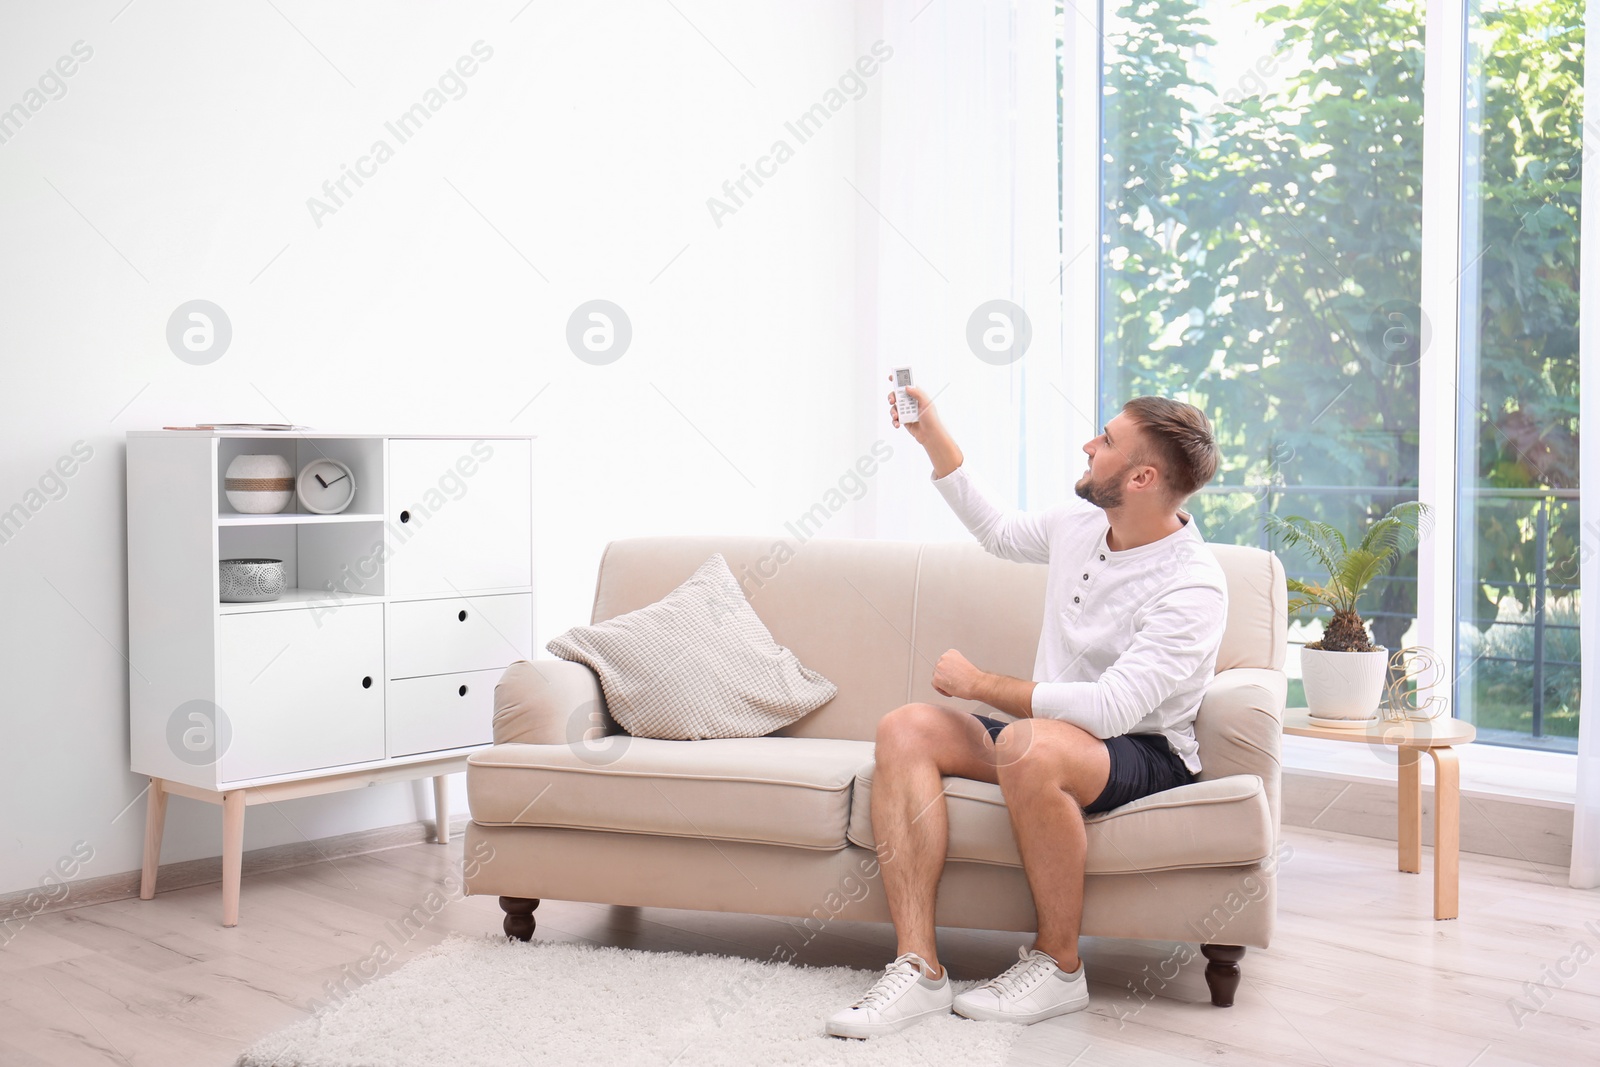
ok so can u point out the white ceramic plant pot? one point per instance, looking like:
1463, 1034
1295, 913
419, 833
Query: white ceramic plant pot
1343, 685
259, 484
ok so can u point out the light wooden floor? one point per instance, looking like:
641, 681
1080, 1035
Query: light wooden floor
1358, 973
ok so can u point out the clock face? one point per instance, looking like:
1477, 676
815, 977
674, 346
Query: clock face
326, 486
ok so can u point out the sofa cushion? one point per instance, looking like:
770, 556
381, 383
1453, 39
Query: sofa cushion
769, 790
697, 663
1257, 631
1217, 823
844, 606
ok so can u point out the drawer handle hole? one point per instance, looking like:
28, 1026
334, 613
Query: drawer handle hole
366, 683
461, 616
462, 691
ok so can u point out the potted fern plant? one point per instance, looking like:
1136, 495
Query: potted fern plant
1344, 672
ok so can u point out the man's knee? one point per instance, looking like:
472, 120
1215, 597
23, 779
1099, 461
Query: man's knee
908, 720
907, 731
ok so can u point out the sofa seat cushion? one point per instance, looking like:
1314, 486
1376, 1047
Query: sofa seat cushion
765, 790
1217, 823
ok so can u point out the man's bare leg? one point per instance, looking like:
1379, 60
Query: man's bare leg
1052, 769
917, 745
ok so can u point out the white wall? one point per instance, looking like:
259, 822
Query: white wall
177, 165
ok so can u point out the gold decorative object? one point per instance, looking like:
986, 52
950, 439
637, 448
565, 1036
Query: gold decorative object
1414, 671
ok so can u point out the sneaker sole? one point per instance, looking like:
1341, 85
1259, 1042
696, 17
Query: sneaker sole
989, 1015
866, 1030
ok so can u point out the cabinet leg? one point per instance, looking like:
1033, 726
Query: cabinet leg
519, 916
1222, 972
232, 854
1446, 833
155, 822
1410, 806
441, 809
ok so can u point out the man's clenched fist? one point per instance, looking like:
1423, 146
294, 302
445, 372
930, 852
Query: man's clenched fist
955, 676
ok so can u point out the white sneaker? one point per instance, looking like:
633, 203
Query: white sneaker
1033, 989
904, 996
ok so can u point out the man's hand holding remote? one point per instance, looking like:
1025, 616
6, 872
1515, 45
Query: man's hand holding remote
928, 432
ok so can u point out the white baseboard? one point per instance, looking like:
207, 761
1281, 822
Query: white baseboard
25, 903
1490, 826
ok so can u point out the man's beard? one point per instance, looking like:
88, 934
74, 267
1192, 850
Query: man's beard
1105, 495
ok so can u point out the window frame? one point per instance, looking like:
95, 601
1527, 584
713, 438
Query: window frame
1443, 166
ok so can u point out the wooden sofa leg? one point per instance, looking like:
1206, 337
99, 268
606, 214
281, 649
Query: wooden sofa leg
1222, 970
519, 917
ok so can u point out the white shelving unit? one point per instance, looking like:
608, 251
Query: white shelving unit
377, 664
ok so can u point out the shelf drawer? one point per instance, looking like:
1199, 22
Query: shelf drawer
458, 634
444, 711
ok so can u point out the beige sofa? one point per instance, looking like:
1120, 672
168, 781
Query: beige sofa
780, 825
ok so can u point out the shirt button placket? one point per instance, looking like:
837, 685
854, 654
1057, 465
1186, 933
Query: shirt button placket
1079, 599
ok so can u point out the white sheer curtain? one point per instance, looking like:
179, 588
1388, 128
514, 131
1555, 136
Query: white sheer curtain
1586, 814
957, 206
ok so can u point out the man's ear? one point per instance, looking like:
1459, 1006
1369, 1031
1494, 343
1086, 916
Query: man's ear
1145, 477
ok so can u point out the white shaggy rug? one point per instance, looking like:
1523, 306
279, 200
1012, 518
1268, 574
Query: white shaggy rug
487, 1001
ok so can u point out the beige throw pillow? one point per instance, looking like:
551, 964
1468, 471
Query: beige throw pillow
697, 663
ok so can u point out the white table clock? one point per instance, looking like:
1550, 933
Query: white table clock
326, 486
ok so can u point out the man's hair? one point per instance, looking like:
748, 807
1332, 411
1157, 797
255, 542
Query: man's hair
1180, 436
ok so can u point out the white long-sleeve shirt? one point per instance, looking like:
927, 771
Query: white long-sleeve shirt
1130, 638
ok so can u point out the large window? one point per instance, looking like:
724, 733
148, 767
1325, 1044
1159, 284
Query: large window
1261, 253
1261, 256
1518, 541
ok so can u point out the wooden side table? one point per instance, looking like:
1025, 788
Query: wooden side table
1410, 738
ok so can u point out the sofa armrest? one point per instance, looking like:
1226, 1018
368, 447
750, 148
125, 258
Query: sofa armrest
550, 702
1240, 727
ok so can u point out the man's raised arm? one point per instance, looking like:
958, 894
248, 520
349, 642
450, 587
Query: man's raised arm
1016, 535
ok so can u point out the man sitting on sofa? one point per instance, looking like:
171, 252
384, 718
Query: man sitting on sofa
1133, 616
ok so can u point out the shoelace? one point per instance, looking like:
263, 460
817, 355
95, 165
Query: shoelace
1031, 966
899, 974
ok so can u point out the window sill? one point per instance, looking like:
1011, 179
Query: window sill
1544, 779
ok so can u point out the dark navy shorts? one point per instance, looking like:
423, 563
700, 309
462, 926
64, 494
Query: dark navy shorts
1141, 764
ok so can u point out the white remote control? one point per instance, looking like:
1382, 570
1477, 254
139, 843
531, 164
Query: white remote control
905, 406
